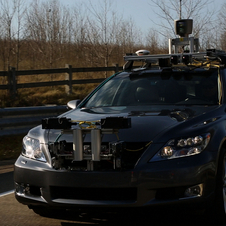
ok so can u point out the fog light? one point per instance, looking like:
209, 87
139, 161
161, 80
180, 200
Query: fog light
194, 191
27, 189
19, 188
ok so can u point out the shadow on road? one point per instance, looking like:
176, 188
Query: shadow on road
130, 218
14, 213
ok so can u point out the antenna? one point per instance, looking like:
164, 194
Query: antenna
180, 10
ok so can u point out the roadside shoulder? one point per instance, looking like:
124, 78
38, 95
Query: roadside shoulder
7, 165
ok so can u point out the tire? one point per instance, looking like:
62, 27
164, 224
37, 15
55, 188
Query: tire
219, 207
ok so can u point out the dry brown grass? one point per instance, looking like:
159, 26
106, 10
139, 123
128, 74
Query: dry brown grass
10, 146
47, 95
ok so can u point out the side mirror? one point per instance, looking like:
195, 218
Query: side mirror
73, 103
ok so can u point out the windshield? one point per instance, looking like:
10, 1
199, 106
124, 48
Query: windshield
170, 88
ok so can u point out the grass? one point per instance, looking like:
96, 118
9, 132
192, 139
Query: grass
41, 96
10, 146
44, 96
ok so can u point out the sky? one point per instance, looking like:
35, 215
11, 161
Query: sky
141, 11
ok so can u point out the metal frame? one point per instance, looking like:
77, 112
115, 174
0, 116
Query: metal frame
154, 58
192, 42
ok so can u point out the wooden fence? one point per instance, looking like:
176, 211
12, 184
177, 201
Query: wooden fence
15, 121
12, 74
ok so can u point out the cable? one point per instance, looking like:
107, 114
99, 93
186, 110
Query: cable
140, 148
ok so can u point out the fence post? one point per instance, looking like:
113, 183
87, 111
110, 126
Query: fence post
12, 82
116, 68
68, 77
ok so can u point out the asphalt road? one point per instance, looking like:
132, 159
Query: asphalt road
13, 213
6, 176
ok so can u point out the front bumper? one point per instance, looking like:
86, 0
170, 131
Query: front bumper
155, 183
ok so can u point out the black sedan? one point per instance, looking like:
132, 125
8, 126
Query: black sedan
145, 137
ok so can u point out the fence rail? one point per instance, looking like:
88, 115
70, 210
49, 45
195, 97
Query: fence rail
14, 121
12, 74
19, 120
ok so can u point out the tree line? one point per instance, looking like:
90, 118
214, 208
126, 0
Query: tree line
47, 34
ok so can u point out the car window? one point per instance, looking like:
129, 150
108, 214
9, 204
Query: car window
195, 88
106, 94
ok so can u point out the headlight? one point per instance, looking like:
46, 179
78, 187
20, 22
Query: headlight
182, 147
31, 149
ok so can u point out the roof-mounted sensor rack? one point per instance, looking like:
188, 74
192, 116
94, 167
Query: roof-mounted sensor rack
181, 55
168, 60
215, 52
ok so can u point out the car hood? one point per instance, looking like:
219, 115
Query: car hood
146, 123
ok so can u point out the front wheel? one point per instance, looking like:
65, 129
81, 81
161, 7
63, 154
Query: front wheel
224, 184
220, 193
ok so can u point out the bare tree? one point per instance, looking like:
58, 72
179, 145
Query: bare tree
78, 37
48, 28
128, 36
8, 13
222, 30
20, 12
168, 11
103, 29
153, 41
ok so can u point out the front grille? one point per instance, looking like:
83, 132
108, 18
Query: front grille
170, 193
34, 190
117, 194
132, 153
128, 155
